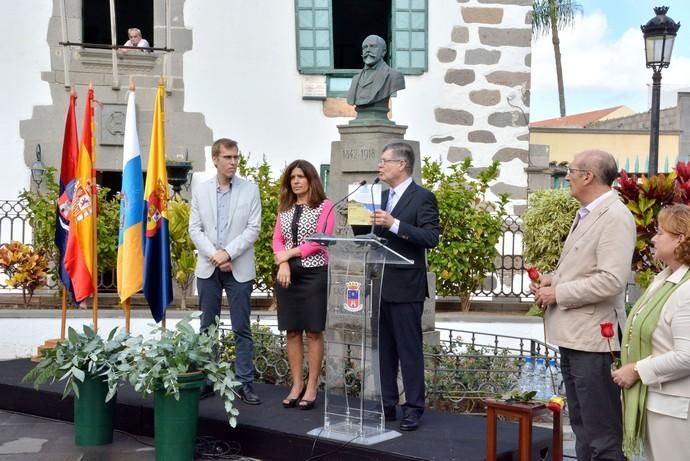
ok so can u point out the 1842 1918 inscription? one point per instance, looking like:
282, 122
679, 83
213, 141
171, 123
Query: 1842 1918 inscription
359, 159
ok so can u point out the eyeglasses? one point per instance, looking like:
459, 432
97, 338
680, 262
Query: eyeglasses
387, 160
570, 170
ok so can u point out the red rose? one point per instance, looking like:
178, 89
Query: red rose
533, 274
607, 330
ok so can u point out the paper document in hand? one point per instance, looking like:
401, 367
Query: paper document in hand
362, 203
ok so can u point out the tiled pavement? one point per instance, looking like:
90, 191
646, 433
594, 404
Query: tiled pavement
31, 438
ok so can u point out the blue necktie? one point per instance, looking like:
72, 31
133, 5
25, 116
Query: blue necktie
389, 205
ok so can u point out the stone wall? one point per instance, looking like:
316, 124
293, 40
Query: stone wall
484, 112
186, 132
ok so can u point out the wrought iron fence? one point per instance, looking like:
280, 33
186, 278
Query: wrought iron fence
509, 280
465, 368
14, 223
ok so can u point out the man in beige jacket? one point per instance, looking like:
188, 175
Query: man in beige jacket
586, 289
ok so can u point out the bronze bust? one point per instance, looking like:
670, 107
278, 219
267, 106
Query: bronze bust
374, 84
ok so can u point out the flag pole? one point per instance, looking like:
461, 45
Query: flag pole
127, 305
161, 81
94, 191
63, 320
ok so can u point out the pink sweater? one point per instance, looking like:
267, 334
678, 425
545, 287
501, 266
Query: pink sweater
307, 248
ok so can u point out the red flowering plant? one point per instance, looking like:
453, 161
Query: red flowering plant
645, 197
534, 276
608, 333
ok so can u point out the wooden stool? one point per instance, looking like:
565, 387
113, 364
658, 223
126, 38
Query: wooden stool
525, 413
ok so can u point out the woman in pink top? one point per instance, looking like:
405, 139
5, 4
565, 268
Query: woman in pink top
301, 286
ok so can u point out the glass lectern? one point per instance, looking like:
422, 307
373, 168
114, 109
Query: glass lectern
353, 410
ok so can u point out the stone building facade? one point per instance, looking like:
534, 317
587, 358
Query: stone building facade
228, 77
485, 110
186, 132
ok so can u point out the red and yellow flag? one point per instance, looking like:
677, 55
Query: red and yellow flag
80, 256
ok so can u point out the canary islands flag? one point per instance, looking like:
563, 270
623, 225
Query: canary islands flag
80, 255
157, 271
130, 250
70, 151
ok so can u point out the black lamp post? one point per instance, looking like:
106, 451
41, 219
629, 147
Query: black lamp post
178, 174
38, 169
659, 35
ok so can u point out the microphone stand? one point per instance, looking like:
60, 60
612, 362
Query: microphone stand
328, 215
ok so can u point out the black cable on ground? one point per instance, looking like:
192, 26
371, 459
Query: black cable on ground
212, 448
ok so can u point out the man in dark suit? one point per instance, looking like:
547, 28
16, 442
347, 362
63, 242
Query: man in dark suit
408, 221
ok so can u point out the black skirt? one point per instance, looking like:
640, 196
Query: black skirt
302, 306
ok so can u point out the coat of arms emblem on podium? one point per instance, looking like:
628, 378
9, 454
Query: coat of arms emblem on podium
353, 297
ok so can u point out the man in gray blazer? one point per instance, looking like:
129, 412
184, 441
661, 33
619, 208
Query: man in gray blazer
587, 288
224, 223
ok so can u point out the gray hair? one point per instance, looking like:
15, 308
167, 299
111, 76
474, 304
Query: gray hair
402, 151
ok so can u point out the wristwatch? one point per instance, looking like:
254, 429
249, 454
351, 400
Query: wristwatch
637, 372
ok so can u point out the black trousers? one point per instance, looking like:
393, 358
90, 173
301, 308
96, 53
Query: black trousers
594, 405
400, 340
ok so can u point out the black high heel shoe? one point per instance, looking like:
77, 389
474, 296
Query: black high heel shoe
306, 404
291, 403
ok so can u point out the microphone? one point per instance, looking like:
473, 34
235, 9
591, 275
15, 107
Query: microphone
371, 235
373, 205
325, 223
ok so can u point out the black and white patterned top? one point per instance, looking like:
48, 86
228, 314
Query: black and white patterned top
298, 223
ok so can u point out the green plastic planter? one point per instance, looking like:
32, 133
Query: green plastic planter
175, 421
93, 416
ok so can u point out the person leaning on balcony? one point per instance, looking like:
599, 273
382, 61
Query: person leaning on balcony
655, 374
302, 279
586, 289
135, 39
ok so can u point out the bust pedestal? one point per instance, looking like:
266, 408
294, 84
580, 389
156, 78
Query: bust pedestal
376, 113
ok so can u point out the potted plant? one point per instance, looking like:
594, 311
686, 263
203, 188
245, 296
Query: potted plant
173, 365
84, 361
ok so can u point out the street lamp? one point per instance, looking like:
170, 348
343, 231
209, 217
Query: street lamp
659, 35
38, 168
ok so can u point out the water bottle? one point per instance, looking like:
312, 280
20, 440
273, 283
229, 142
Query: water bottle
555, 377
560, 385
540, 383
526, 376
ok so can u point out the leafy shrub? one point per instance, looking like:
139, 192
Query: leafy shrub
458, 376
78, 356
270, 355
182, 254
546, 225
470, 227
24, 267
269, 190
645, 197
